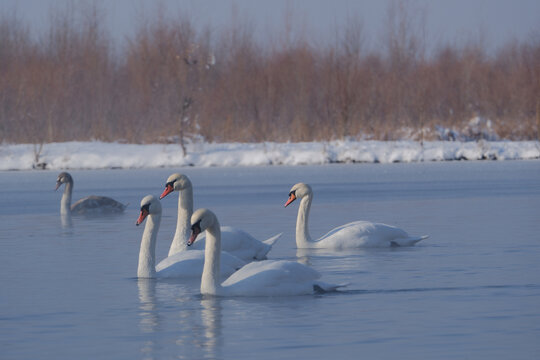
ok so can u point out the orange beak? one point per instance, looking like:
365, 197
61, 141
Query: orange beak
168, 189
142, 216
292, 197
194, 233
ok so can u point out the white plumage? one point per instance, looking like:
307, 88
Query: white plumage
356, 234
263, 278
234, 241
185, 264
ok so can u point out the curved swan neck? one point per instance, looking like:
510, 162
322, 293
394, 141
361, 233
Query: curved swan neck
303, 239
147, 254
210, 283
65, 203
183, 226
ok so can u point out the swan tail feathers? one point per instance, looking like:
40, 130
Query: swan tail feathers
268, 243
415, 240
271, 241
321, 287
408, 241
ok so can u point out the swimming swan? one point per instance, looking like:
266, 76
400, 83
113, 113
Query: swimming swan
260, 278
185, 264
90, 205
352, 235
234, 241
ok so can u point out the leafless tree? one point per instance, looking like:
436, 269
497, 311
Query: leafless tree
173, 80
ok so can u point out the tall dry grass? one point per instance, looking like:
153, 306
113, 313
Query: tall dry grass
173, 80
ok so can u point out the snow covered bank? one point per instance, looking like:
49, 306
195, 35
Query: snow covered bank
100, 155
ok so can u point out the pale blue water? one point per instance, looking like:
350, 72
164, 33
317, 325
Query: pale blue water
472, 290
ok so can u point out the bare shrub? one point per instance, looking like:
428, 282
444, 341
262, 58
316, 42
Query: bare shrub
173, 81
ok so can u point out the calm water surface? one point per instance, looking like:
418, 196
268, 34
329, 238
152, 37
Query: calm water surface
472, 290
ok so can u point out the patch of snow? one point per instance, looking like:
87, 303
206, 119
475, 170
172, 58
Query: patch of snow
100, 155
477, 128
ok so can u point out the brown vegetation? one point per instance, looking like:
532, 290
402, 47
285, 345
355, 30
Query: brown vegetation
174, 79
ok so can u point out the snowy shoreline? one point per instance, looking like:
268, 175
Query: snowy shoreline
101, 155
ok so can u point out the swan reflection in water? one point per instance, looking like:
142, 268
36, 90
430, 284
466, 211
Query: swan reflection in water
147, 308
211, 319
196, 326
357, 263
149, 316
199, 327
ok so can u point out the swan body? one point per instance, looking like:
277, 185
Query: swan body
181, 265
190, 264
356, 234
262, 278
234, 241
91, 205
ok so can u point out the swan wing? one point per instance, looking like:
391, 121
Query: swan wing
191, 263
272, 278
271, 241
365, 234
240, 244
96, 205
181, 264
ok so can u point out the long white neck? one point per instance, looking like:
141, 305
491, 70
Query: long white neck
183, 226
65, 220
147, 254
65, 203
210, 283
303, 239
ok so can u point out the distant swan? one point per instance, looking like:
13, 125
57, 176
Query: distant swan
262, 278
352, 235
91, 205
235, 241
185, 264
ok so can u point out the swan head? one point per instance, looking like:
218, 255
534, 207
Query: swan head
149, 205
175, 182
298, 191
201, 220
63, 178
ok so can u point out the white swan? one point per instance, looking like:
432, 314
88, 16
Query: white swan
90, 205
261, 278
352, 235
185, 264
234, 241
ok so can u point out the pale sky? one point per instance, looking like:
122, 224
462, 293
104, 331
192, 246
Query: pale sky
494, 21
